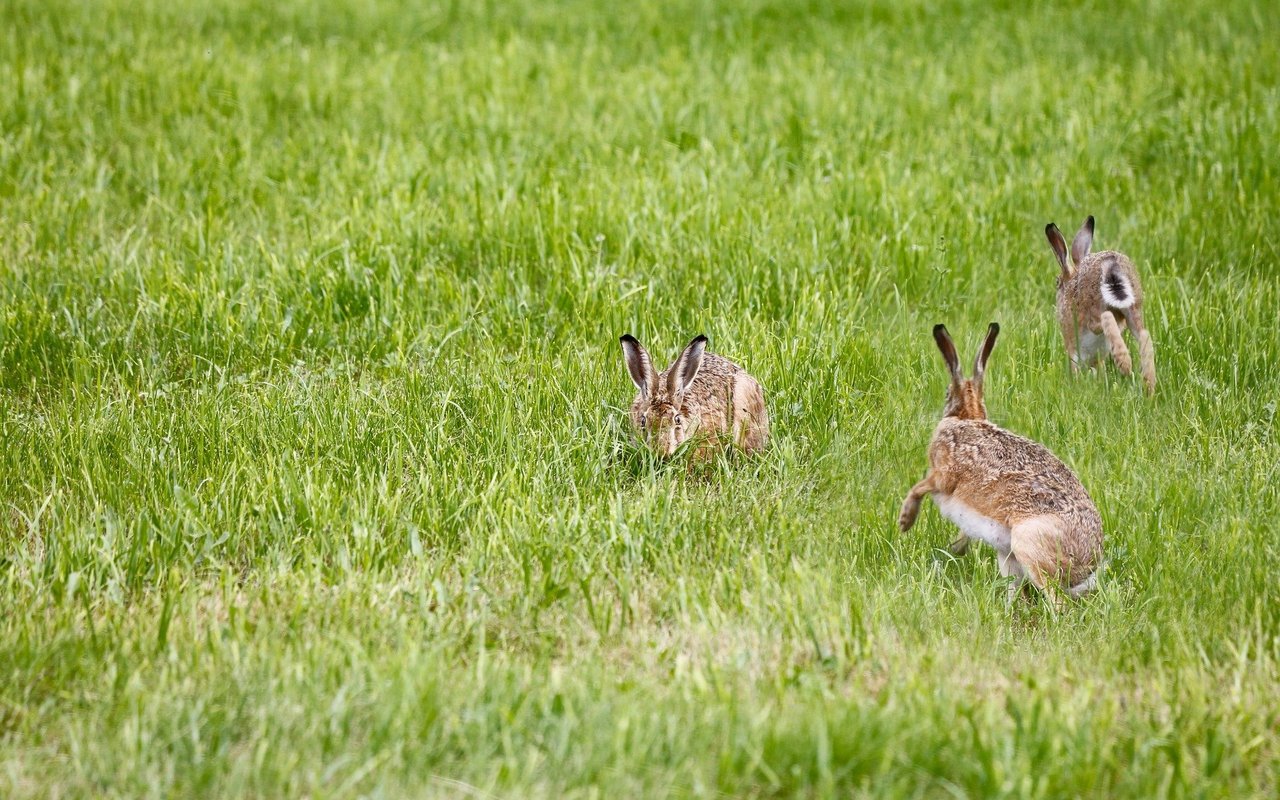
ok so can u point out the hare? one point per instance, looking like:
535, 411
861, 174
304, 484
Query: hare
1094, 298
701, 393
1007, 491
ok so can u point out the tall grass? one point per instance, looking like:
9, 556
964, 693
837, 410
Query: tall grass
316, 480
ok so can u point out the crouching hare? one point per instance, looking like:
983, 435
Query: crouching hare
1007, 491
700, 394
1094, 297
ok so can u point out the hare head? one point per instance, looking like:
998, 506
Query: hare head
964, 396
659, 412
1081, 245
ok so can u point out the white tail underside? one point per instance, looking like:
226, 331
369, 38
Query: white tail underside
1117, 292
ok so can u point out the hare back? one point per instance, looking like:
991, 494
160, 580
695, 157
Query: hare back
710, 398
1008, 477
750, 415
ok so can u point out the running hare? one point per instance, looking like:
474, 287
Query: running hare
1007, 491
701, 393
1094, 298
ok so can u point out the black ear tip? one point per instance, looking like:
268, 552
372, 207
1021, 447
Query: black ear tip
994, 327
939, 329
627, 338
699, 339
1089, 222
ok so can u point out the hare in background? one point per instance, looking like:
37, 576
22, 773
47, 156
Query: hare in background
1094, 297
700, 394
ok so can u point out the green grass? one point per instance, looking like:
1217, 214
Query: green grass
315, 478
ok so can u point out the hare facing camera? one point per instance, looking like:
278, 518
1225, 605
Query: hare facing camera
1006, 490
701, 394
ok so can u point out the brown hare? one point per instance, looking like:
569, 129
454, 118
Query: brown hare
1007, 491
700, 394
1094, 297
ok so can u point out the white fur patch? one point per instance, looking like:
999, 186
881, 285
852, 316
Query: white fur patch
1010, 567
971, 523
1091, 346
1089, 584
1085, 586
1116, 297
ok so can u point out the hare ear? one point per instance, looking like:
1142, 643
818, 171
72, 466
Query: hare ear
1083, 243
980, 363
682, 373
1059, 246
638, 364
948, 349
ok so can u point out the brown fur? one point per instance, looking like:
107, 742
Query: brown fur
1083, 306
722, 404
1055, 532
1119, 350
1013, 480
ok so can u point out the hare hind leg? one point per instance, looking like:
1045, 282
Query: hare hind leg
1037, 545
1119, 350
1147, 353
1146, 350
1010, 567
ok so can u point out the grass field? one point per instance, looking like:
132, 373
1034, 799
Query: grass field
316, 480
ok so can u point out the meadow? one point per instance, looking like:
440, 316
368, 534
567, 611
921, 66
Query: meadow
316, 479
